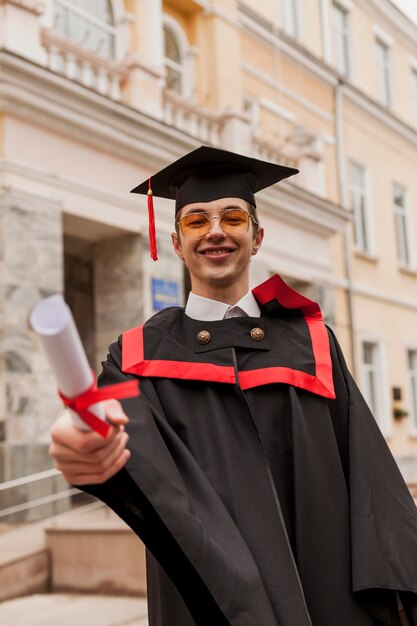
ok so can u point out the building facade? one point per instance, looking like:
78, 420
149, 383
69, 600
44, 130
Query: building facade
95, 97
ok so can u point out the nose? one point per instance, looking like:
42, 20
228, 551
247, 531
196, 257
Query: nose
215, 230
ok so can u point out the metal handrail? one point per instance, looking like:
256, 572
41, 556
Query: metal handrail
50, 521
26, 480
38, 502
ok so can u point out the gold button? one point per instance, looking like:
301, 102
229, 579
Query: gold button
203, 336
257, 334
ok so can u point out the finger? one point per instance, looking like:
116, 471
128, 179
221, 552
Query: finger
98, 477
114, 413
94, 463
65, 434
87, 454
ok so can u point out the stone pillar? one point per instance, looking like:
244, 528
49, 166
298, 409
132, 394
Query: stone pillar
152, 49
163, 283
143, 90
146, 60
31, 267
118, 287
220, 82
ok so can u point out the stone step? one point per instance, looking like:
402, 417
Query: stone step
101, 555
74, 610
24, 563
91, 551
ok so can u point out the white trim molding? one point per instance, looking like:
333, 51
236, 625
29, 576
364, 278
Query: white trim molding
382, 35
346, 5
306, 104
278, 110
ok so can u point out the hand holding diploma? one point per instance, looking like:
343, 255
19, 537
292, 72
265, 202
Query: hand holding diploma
86, 458
83, 457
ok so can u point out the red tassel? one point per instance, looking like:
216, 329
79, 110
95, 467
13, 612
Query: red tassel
152, 230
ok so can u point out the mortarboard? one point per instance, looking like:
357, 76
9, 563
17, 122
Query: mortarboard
207, 174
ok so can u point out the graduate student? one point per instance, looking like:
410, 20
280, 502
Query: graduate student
255, 474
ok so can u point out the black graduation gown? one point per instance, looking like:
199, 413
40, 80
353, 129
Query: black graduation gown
259, 481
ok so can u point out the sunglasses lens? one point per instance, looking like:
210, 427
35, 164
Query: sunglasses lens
232, 222
235, 222
195, 225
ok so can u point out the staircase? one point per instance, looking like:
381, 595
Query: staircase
89, 551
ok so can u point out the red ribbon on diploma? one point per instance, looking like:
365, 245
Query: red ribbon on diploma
79, 404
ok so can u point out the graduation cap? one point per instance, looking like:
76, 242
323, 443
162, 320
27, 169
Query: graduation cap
207, 174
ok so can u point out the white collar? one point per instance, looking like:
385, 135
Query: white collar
208, 310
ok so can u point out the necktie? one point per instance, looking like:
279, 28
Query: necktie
234, 311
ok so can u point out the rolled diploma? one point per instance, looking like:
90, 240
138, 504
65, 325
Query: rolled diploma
53, 322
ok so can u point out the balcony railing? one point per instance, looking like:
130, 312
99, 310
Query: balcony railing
83, 65
191, 119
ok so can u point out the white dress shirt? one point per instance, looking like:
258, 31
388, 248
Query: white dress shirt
208, 310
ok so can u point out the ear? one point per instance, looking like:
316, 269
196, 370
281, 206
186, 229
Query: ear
257, 240
177, 245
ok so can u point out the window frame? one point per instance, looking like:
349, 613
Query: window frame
411, 386
345, 67
187, 53
175, 66
370, 249
406, 261
382, 411
291, 18
384, 71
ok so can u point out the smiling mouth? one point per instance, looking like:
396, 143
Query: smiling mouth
217, 251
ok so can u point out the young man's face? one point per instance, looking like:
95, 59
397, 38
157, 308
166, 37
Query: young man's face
218, 261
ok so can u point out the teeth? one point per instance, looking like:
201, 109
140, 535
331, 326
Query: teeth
216, 251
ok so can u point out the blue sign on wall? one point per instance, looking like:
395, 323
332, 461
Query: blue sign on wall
164, 293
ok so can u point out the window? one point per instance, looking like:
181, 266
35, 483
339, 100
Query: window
174, 68
89, 23
341, 39
384, 73
360, 207
179, 59
371, 375
374, 381
291, 18
412, 386
402, 226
